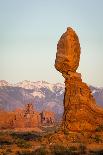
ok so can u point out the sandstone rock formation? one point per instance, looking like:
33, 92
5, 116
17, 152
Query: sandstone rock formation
47, 118
25, 118
80, 110
68, 52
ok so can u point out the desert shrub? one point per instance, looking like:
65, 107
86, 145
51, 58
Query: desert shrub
99, 128
5, 141
25, 153
41, 151
82, 133
26, 135
82, 149
72, 148
2, 133
7, 152
22, 143
98, 152
66, 132
97, 138
14, 135
61, 150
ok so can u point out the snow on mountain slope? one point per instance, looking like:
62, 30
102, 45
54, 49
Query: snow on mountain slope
38, 85
32, 85
43, 84
98, 94
4, 83
41, 94
25, 84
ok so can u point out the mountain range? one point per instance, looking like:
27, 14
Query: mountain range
43, 95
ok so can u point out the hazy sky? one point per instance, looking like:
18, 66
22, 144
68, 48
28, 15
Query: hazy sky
30, 30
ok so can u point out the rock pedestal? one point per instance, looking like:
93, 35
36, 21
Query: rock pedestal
80, 110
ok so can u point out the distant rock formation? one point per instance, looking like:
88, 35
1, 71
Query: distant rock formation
25, 118
80, 110
47, 117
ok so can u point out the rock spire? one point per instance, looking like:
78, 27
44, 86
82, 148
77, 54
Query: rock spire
80, 110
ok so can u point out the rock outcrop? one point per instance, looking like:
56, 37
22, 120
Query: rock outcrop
47, 118
68, 52
25, 118
80, 110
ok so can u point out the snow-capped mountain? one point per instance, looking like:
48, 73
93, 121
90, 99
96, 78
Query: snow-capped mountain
97, 92
4, 83
43, 95
38, 85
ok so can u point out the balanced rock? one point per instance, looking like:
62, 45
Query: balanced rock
68, 52
80, 110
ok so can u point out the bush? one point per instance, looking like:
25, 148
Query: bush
97, 138
41, 151
22, 143
2, 133
61, 150
82, 149
98, 152
5, 139
25, 153
7, 152
72, 148
82, 133
99, 128
66, 132
26, 135
5, 142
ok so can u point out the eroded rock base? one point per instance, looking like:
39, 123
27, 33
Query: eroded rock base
80, 110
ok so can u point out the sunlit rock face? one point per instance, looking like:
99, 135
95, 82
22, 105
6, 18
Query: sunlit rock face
25, 118
68, 52
80, 109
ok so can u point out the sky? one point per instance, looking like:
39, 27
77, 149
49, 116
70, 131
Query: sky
30, 30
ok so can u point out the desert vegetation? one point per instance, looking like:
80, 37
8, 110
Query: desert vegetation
32, 143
